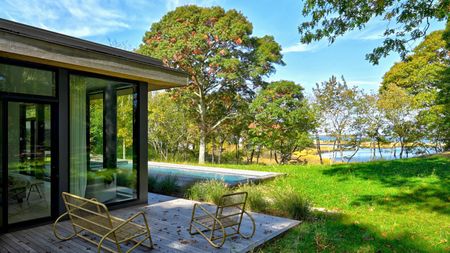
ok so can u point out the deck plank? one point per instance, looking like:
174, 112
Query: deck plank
168, 218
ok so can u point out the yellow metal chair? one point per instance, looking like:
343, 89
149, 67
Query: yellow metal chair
224, 221
92, 216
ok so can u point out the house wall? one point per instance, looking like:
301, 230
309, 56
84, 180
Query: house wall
60, 128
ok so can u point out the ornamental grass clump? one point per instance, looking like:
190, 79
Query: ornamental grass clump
258, 197
167, 185
208, 191
292, 204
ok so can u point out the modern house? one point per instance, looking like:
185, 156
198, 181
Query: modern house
62, 101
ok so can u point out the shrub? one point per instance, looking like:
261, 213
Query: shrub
126, 178
258, 197
152, 182
261, 198
209, 191
167, 185
292, 203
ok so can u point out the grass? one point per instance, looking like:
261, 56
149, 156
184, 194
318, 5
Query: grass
385, 206
163, 185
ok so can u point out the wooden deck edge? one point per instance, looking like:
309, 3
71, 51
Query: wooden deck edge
274, 236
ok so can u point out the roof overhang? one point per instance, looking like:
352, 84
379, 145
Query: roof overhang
27, 43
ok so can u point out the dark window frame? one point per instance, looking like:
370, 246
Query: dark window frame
52, 101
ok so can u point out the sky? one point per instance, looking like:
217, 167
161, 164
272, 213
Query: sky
123, 24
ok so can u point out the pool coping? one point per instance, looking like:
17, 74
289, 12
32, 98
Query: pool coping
251, 174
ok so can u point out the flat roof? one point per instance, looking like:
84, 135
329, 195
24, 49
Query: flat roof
69, 41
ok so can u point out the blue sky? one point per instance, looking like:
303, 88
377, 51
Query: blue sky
124, 23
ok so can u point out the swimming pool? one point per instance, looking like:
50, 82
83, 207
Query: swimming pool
189, 173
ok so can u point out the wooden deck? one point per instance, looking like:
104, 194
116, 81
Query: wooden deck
169, 220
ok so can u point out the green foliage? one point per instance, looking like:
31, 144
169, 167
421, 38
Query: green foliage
168, 126
216, 48
405, 21
384, 206
400, 110
167, 185
443, 97
421, 71
341, 112
107, 175
96, 126
152, 182
261, 198
292, 203
125, 106
209, 191
282, 119
422, 76
127, 178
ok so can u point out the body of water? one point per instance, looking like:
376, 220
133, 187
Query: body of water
366, 154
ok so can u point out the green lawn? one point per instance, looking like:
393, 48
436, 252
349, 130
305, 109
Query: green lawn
387, 206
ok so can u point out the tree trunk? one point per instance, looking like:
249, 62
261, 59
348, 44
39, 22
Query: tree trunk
401, 149
333, 155
258, 154
202, 112
219, 158
213, 149
236, 143
379, 148
319, 151
202, 147
251, 156
124, 148
341, 151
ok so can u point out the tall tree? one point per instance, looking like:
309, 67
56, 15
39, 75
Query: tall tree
337, 103
406, 21
400, 109
216, 48
444, 91
421, 75
283, 119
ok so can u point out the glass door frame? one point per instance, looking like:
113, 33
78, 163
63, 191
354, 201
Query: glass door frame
5, 99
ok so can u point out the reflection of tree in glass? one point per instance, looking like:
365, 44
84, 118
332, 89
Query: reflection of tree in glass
125, 122
96, 126
26, 80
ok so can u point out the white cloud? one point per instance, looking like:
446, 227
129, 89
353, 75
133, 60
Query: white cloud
79, 18
301, 47
373, 30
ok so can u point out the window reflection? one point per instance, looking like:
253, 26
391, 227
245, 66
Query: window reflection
102, 157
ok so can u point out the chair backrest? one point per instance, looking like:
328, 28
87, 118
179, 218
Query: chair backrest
88, 214
232, 206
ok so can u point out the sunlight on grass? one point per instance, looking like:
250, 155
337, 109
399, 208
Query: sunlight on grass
385, 206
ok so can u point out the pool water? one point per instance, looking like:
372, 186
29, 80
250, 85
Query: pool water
179, 172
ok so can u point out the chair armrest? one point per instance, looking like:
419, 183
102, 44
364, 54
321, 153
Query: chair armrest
253, 226
55, 230
129, 220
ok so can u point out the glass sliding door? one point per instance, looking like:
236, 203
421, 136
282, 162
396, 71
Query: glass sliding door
27, 97
29, 158
102, 121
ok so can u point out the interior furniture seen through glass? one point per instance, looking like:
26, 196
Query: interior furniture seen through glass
29, 161
102, 155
